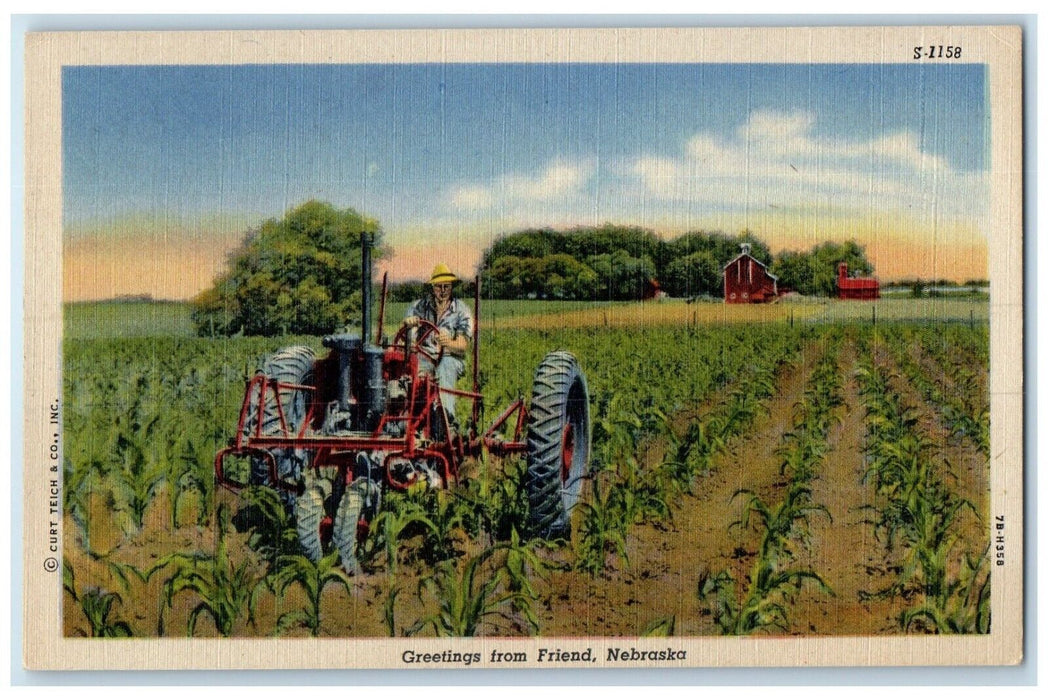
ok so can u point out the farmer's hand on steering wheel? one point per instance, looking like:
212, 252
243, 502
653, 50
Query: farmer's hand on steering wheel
426, 329
444, 338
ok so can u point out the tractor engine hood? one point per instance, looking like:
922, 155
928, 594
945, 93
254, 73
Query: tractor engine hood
361, 388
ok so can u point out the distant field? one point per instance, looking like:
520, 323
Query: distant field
937, 309
497, 309
114, 319
677, 312
86, 320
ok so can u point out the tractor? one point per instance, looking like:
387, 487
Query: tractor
332, 434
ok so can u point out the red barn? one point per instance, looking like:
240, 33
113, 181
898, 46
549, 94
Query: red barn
856, 287
747, 280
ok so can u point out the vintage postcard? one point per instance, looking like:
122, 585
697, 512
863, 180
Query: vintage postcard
587, 348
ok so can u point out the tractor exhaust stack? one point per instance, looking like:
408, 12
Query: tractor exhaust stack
367, 240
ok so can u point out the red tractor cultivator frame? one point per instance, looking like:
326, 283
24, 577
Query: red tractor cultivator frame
332, 434
263, 395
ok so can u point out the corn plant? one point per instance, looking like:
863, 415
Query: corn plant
701, 442
773, 582
140, 475
660, 627
265, 517
643, 493
782, 524
616, 429
312, 578
448, 518
961, 607
603, 528
225, 590
123, 573
193, 472
389, 610
495, 501
399, 517
77, 485
926, 525
919, 513
953, 390
765, 604
467, 597
522, 564
718, 590
97, 607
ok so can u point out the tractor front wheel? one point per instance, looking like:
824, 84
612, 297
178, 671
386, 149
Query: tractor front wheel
358, 505
558, 444
309, 513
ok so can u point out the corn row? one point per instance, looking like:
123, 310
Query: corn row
919, 515
775, 577
964, 408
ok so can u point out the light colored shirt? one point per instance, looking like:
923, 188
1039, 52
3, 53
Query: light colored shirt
456, 319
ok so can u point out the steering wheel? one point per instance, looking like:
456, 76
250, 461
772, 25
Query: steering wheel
426, 329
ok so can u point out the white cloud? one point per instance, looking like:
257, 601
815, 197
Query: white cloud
904, 149
786, 134
773, 165
471, 197
560, 180
655, 170
775, 160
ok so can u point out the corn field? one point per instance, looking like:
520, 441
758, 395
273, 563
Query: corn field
709, 509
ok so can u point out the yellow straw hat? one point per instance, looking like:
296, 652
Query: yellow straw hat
442, 275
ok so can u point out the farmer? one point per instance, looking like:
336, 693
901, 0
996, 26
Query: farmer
455, 324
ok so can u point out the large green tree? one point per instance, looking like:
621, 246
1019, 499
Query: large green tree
298, 274
621, 275
720, 247
557, 276
695, 261
693, 274
579, 242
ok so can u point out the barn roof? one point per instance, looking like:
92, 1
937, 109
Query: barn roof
747, 255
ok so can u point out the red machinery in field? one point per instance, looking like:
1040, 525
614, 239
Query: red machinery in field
332, 433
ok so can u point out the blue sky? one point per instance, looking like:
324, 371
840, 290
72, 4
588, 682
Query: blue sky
448, 156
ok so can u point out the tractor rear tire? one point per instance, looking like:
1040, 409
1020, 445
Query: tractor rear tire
292, 365
359, 502
558, 444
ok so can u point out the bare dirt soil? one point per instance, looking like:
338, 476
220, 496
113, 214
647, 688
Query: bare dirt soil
844, 550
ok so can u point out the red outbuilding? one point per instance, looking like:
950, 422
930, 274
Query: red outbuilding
653, 291
856, 287
747, 280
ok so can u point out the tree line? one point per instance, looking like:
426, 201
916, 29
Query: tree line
619, 263
301, 273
